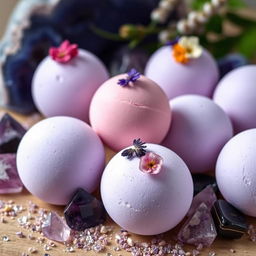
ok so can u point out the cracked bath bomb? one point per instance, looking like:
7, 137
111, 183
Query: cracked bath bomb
59, 155
66, 88
147, 203
120, 113
235, 172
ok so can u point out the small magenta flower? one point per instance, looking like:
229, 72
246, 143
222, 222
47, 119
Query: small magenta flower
64, 53
151, 163
132, 76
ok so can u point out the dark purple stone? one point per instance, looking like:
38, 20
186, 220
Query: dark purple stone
201, 181
11, 133
84, 211
229, 221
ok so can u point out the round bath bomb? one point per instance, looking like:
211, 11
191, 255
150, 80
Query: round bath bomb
59, 155
236, 94
120, 113
65, 87
178, 79
199, 130
146, 203
235, 172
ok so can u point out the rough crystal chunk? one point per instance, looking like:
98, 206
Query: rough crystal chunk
199, 228
206, 196
84, 211
11, 133
230, 222
9, 179
55, 228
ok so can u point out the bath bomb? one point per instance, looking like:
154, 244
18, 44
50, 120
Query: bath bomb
59, 155
198, 76
144, 203
199, 130
119, 113
66, 88
235, 172
236, 94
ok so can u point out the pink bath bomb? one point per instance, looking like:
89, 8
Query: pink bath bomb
66, 89
59, 155
199, 130
236, 94
120, 114
235, 172
143, 203
198, 76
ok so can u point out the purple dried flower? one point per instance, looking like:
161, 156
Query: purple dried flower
133, 76
137, 150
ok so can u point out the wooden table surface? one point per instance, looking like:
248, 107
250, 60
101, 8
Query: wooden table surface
16, 246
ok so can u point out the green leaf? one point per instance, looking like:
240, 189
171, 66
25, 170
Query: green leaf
198, 4
215, 24
240, 20
235, 4
247, 43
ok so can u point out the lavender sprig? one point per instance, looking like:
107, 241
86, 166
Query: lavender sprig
138, 150
133, 76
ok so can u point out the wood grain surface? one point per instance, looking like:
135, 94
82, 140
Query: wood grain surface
16, 246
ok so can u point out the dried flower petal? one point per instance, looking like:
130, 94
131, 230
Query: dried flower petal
133, 76
187, 48
64, 53
151, 163
137, 150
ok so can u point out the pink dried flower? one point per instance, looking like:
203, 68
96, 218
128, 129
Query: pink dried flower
151, 163
64, 53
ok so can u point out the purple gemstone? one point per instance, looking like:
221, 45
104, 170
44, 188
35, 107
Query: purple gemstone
84, 211
11, 133
206, 196
199, 228
9, 178
55, 228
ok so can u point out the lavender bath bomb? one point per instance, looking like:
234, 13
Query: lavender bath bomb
236, 94
199, 130
144, 203
198, 76
59, 155
64, 87
235, 172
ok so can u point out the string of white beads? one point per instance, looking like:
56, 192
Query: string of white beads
161, 13
196, 19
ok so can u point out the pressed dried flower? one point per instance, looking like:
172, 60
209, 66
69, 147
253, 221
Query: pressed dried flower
137, 150
151, 163
64, 53
132, 76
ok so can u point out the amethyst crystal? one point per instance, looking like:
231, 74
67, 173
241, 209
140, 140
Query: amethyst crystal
199, 228
55, 228
84, 211
9, 179
206, 196
11, 133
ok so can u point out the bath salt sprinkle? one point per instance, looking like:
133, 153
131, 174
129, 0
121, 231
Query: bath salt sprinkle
252, 233
20, 234
32, 250
232, 251
212, 254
